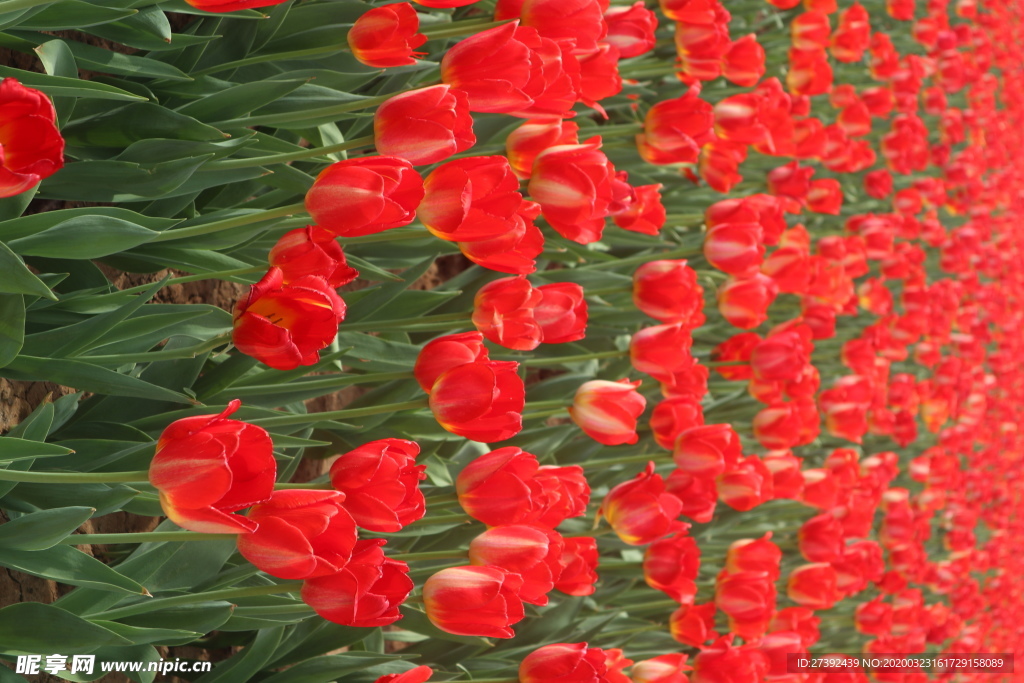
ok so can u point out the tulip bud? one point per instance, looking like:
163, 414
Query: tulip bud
735, 248
607, 411
669, 668
746, 485
365, 195
474, 601
386, 36
533, 137
744, 301
513, 251
675, 130
32, 146
813, 586
311, 251
707, 450
673, 417
631, 29
381, 483
424, 126
476, 198
748, 598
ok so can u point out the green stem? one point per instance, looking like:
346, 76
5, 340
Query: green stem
329, 382
421, 323
625, 460
601, 291
619, 130
597, 355
445, 519
393, 235
229, 223
442, 499
287, 420
143, 537
455, 29
312, 152
432, 555
225, 594
170, 354
74, 477
297, 117
259, 59
644, 258
314, 485
544, 413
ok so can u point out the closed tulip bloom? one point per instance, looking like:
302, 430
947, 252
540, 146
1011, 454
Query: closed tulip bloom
813, 586
744, 301
424, 126
476, 198
533, 552
699, 495
821, 539
852, 35
581, 21
514, 251
365, 195
676, 129
645, 214
501, 487
661, 351
573, 185
735, 248
787, 479
208, 466
799, 620
31, 147
825, 196
444, 353
420, 674
673, 417
387, 36
809, 72
782, 355
573, 663
693, 625
564, 493
599, 75
301, 534
736, 349
631, 29
873, 617
744, 62
670, 668
739, 119
607, 411
503, 311
533, 137
366, 593
746, 485
642, 510
668, 291
707, 450
671, 566
748, 598
579, 566
285, 326
381, 483
810, 30
482, 401
721, 662
311, 250
754, 555
562, 313
474, 601
778, 645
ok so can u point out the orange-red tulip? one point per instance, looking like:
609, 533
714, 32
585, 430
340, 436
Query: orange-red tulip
387, 36
533, 552
562, 662
365, 195
671, 566
607, 411
311, 250
381, 483
31, 147
641, 510
424, 126
474, 601
573, 185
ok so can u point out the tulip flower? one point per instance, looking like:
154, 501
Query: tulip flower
31, 147
424, 126
579, 566
721, 662
670, 668
285, 326
561, 313
662, 351
562, 662
744, 301
745, 485
641, 510
581, 21
707, 450
743, 64
787, 480
311, 250
387, 36
754, 555
735, 248
821, 539
668, 291
631, 29
533, 552
809, 72
573, 185
476, 198
825, 196
675, 130
738, 119
503, 311
565, 494
810, 30
366, 593
513, 251
673, 417
693, 625
420, 674
533, 137
482, 401
301, 534
442, 4
365, 195
209, 466
813, 586
671, 566
800, 620
444, 353
474, 601
607, 411
381, 483
645, 214
748, 599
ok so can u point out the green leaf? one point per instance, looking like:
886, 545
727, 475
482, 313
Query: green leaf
34, 627
242, 667
12, 448
73, 14
329, 667
12, 327
232, 102
202, 617
33, 497
119, 181
12, 207
138, 121
145, 636
16, 278
147, 30
384, 294
85, 237
43, 529
69, 565
57, 86
36, 223
105, 61
88, 378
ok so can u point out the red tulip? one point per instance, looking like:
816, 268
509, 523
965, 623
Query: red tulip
693, 625
754, 555
532, 552
208, 466
503, 311
668, 291
813, 586
744, 301
675, 130
699, 495
645, 214
746, 485
599, 75
787, 480
748, 599
311, 250
474, 601
418, 675
365, 195
424, 126
631, 29
720, 662
799, 620
719, 164
662, 351
581, 21
579, 566
386, 36
738, 119
782, 355
285, 326
673, 417
561, 313
735, 248
671, 566
640, 510
444, 353
301, 534
533, 137
736, 350
565, 493
31, 147
573, 185
366, 593
441, 4
482, 401
809, 72
821, 539
513, 251
852, 35
810, 30
476, 198
563, 662
707, 450
743, 63
669, 668
607, 411
381, 483
825, 196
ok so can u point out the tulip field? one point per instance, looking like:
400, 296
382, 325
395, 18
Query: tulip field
511, 341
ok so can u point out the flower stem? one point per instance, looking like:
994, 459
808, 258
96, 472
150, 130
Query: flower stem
547, 362
432, 555
229, 223
74, 477
644, 258
624, 460
143, 537
455, 29
225, 594
423, 323
442, 499
170, 354
312, 152
287, 420
320, 382
309, 114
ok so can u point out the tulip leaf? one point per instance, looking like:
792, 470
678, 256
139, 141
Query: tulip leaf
16, 278
88, 377
384, 294
147, 30
119, 181
84, 237
329, 667
105, 61
69, 565
73, 14
243, 667
238, 100
202, 617
38, 222
57, 86
12, 448
58, 61
34, 627
416, 621
145, 636
32, 497
316, 637
137, 121
12, 327
43, 529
